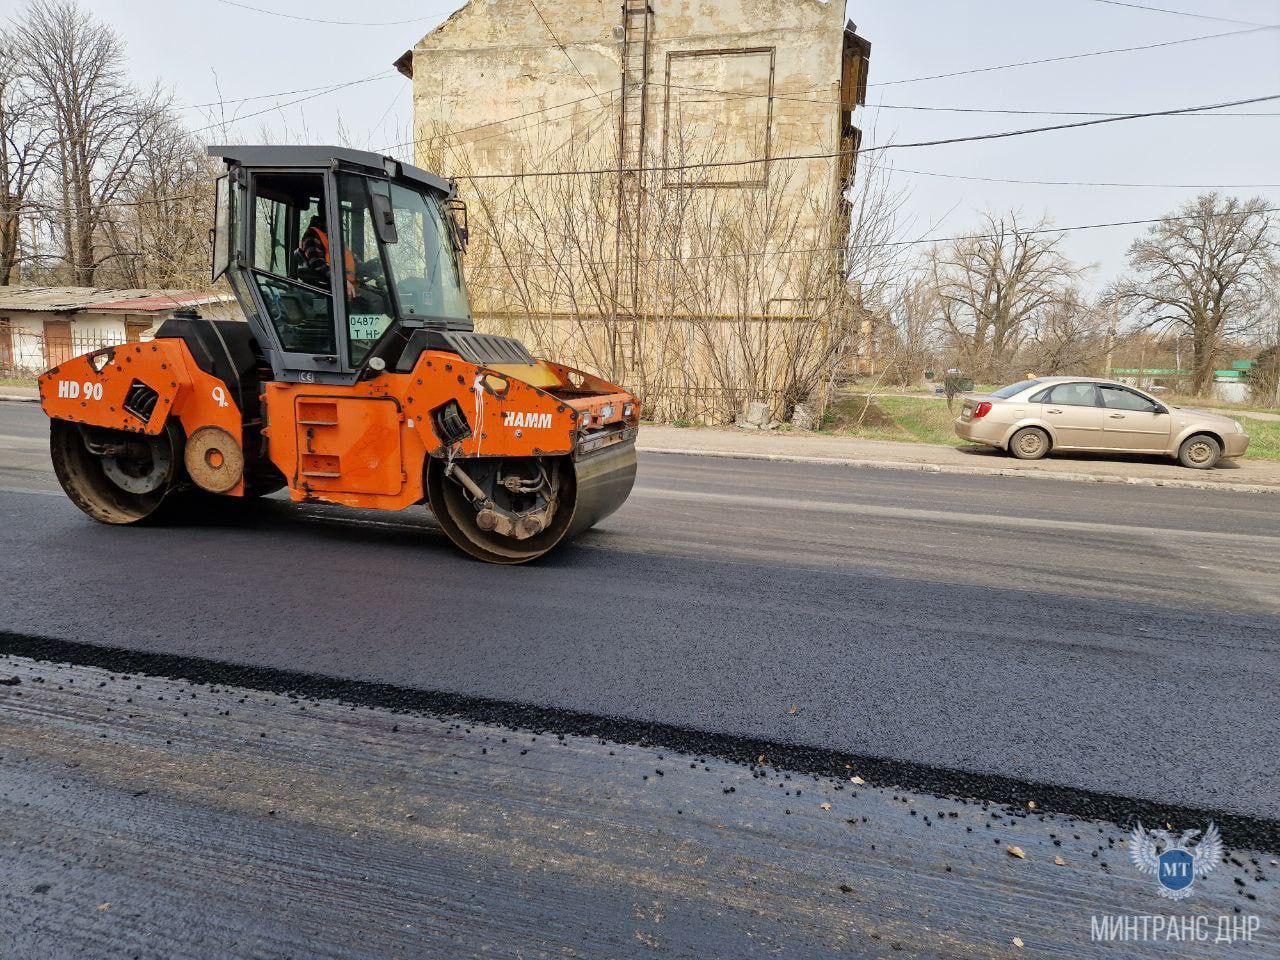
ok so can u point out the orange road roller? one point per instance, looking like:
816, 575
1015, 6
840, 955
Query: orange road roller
358, 378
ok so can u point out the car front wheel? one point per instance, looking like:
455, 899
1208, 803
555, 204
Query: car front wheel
1029, 443
1200, 452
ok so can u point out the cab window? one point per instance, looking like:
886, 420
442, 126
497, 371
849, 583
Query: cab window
1074, 395
290, 266
365, 286
424, 261
1118, 398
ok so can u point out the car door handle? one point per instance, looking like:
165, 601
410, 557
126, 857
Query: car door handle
1117, 416
1053, 410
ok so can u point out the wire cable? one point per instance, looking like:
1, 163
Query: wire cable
670, 168
1093, 183
1043, 113
897, 243
911, 243
1074, 56
262, 96
281, 106
494, 123
563, 48
338, 23
1176, 13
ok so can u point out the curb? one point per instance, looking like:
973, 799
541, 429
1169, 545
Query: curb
17, 398
973, 471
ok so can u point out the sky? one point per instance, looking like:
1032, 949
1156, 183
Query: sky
217, 50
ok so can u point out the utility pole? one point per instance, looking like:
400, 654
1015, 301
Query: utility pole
1111, 334
1277, 362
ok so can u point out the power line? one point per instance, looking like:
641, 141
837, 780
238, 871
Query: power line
563, 48
1177, 13
1074, 56
833, 155
790, 95
909, 243
1085, 226
1093, 183
278, 93
281, 106
338, 23
809, 156
529, 126
670, 168
394, 98
494, 123
1042, 113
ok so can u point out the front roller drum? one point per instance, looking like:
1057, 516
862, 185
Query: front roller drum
590, 489
113, 476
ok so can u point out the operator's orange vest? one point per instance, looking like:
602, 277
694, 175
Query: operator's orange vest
348, 260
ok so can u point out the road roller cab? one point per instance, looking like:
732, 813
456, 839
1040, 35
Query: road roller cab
358, 379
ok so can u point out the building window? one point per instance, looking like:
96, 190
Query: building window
719, 110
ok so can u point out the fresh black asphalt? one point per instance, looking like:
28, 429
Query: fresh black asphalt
1124, 640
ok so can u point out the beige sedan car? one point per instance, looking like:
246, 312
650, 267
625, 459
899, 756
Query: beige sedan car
1033, 417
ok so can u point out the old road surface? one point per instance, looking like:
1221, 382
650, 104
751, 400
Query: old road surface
297, 731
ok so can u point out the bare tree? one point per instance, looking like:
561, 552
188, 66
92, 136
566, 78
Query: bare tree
1069, 336
158, 230
101, 125
913, 315
25, 143
990, 287
741, 295
1204, 271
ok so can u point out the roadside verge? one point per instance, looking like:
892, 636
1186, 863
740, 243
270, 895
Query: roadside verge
1246, 476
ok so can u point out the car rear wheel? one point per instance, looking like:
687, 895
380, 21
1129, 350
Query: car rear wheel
1200, 452
1029, 443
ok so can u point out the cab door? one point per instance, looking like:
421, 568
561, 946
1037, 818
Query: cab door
1133, 422
1074, 412
299, 299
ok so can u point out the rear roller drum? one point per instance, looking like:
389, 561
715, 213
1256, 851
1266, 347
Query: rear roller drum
114, 476
513, 510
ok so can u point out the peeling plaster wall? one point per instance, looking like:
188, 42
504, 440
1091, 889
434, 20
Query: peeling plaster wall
495, 59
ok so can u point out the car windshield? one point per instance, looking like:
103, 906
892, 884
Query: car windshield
1004, 393
424, 260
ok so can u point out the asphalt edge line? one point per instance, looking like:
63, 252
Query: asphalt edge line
917, 467
1241, 831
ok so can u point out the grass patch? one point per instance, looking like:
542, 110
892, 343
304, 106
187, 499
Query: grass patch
1264, 438
1232, 408
17, 382
909, 419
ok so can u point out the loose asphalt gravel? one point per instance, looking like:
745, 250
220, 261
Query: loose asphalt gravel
158, 818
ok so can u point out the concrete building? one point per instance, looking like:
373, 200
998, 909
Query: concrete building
41, 327
682, 137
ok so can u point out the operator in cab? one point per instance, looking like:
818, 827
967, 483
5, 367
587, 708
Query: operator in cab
314, 250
